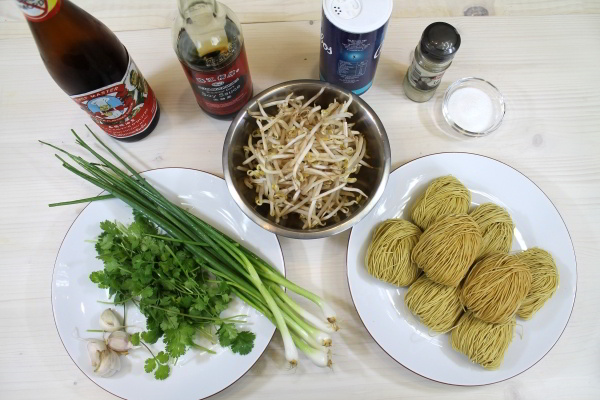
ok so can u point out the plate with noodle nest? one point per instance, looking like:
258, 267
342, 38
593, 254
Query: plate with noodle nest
464, 272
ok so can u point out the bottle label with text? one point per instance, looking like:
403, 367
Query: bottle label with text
423, 79
39, 10
124, 108
349, 59
223, 91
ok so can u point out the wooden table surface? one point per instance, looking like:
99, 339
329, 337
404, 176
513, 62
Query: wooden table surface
543, 56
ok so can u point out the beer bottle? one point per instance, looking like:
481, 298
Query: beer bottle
93, 67
208, 41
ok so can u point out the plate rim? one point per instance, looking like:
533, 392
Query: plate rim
52, 297
574, 257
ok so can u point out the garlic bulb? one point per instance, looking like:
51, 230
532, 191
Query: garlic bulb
119, 341
110, 320
110, 363
95, 348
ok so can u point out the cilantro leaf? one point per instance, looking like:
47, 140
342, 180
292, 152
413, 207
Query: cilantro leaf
109, 227
100, 278
227, 334
243, 343
151, 336
199, 305
190, 283
186, 301
171, 320
150, 364
147, 292
111, 265
219, 306
176, 340
162, 372
135, 339
162, 357
106, 242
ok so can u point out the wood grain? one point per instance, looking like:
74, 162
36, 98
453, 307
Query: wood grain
544, 66
128, 15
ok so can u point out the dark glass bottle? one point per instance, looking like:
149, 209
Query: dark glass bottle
92, 66
208, 41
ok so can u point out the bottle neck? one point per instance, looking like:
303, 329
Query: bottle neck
192, 8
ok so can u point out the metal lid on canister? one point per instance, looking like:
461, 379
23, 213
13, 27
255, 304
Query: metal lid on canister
440, 41
358, 16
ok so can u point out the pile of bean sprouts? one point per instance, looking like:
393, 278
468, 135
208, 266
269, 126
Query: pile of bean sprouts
300, 160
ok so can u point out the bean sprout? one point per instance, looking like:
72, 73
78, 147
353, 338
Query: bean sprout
300, 160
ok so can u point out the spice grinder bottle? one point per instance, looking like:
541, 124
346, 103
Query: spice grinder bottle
433, 55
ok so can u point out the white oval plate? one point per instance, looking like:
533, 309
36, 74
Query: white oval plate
74, 297
538, 223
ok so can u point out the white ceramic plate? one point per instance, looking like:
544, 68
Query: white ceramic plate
74, 297
538, 223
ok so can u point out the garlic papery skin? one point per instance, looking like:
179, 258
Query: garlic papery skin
110, 363
110, 321
95, 348
119, 342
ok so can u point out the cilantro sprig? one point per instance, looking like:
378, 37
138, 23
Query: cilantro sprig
240, 342
178, 297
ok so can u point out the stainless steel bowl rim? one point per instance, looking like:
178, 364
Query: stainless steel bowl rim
325, 231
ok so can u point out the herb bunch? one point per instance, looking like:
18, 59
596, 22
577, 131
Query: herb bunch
179, 298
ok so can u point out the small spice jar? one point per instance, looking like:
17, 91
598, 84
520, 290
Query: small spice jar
433, 55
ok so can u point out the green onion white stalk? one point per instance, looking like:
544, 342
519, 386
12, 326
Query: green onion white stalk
319, 337
309, 317
250, 278
320, 357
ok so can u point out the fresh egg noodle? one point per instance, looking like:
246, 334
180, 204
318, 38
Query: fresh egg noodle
484, 343
444, 195
437, 306
544, 280
479, 307
496, 227
448, 248
388, 255
495, 287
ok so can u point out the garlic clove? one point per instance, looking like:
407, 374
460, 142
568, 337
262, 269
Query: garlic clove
110, 363
95, 348
110, 320
119, 342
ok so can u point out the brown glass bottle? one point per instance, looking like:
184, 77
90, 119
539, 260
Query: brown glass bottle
91, 65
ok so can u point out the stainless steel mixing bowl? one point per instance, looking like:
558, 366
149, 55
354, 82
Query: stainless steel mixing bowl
372, 181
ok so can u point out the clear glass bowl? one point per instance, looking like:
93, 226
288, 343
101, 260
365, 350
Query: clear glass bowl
473, 107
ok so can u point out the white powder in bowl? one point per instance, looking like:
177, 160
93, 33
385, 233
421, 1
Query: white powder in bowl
471, 109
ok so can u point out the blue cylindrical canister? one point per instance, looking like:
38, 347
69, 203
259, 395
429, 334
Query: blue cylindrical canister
352, 33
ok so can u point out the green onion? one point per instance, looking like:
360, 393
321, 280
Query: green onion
252, 279
309, 317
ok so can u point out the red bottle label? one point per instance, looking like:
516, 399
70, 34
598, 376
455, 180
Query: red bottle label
39, 10
124, 108
223, 91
